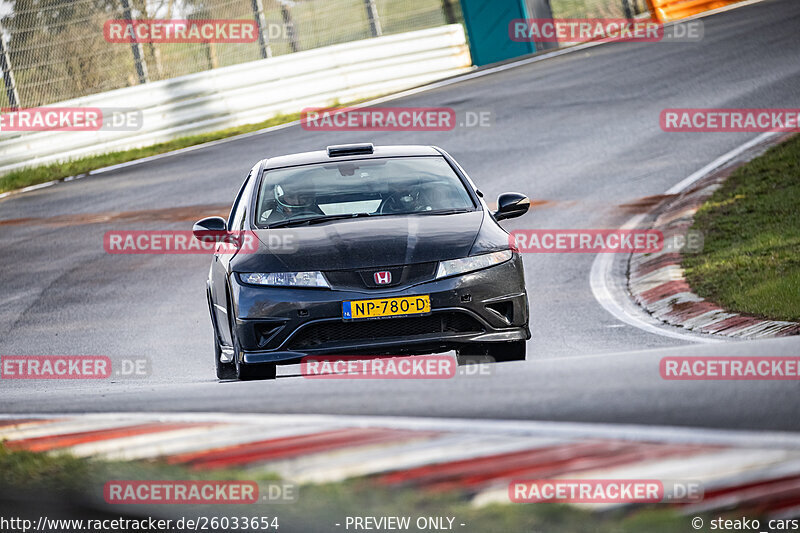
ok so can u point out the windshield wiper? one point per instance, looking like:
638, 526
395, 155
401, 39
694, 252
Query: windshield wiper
316, 220
442, 212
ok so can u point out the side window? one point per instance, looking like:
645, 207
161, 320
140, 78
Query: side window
239, 208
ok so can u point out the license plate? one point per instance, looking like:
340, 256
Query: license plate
409, 305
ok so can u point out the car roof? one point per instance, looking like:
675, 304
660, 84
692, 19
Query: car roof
321, 156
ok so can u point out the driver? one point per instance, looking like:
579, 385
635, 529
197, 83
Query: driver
294, 199
405, 197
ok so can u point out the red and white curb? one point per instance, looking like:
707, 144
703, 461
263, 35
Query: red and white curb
657, 283
475, 457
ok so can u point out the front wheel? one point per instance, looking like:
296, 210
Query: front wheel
243, 371
499, 352
248, 372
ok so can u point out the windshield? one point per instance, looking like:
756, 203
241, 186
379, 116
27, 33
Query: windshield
374, 187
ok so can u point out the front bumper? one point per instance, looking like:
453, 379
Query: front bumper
282, 325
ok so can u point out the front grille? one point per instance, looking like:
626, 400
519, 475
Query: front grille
318, 335
364, 278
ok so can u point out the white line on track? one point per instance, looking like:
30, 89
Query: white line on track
601, 274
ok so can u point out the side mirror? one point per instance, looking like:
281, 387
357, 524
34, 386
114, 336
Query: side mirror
511, 205
210, 229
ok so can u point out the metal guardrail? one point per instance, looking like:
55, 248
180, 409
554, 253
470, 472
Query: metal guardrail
60, 49
667, 10
250, 93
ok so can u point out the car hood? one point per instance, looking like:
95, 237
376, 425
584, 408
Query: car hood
364, 243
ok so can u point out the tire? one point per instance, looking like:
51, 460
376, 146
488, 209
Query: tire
224, 370
499, 352
245, 372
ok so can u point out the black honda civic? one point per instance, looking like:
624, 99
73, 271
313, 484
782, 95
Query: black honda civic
363, 250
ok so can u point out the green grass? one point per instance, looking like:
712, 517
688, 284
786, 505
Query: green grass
26, 176
586, 8
318, 507
751, 259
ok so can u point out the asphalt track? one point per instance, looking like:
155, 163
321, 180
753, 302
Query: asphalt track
578, 133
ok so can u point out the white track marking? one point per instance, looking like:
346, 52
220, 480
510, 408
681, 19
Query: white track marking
716, 469
29, 188
475, 426
336, 466
120, 445
65, 425
602, 266
719, 162
175, 442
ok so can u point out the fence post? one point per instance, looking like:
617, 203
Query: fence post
261, 23
626, 8
211, 55
8, 73
449, 12
372, 16
541, 9
136, 47
288, 28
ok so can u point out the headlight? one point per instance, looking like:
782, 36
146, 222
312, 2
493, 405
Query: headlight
468, 264
287, 279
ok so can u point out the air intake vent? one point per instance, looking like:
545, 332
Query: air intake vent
350, 149
331, 334
504, 309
